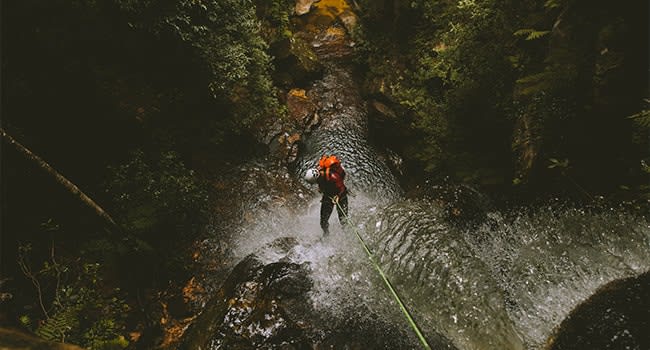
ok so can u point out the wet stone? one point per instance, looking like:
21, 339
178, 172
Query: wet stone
263, 306
303, 6
301, 108
617, 316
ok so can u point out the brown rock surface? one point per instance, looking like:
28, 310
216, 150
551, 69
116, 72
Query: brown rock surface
303, 6
301, 108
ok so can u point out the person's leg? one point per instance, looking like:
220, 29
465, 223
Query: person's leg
326, 207
342, 210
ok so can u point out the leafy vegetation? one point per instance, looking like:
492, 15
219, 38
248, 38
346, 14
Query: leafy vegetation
151, 194
126, 98
497, 88
81, 310
224, 37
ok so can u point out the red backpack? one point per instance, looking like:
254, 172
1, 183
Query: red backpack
330, 164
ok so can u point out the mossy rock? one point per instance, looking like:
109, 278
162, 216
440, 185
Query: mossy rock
295, 61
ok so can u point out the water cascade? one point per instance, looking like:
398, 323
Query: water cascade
506, 282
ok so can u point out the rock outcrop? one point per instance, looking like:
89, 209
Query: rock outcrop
303, 6
617, 316
259, 306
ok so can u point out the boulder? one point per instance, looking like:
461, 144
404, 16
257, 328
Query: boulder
617, 316
307, 59
259, 306
285, 147
301, 108
349, 20
269, 306
296, 62
303, 6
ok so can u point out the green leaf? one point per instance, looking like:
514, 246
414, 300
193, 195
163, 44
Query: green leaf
550, 4
25, 321
57, 327
555, 163
537, 34
523, 32
531, 34
642, 118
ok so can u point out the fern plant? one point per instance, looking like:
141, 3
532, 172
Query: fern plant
551, 4
61, 325
642, 118
84, 311
531, 34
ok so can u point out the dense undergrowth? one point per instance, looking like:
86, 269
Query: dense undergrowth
127, 99
544, 95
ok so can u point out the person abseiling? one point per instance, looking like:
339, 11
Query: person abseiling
329, 176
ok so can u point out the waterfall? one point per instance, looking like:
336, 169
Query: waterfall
507, 281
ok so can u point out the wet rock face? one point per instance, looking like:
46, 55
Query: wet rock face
343, 131
302, 109
261, 187
617, 316
267, 309
296, 61
326, 27
285, 147
333, 43
259, 306
270, 306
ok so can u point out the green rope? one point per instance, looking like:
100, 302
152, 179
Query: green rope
405, 311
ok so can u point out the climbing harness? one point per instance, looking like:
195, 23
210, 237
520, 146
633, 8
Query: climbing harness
405, 311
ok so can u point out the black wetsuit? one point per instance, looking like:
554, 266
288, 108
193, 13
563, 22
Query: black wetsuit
332, 186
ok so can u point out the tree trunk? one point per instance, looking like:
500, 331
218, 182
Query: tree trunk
72, 188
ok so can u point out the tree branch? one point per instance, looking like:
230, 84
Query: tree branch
72, 188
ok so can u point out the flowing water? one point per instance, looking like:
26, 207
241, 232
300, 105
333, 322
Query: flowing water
507, 281
504, 283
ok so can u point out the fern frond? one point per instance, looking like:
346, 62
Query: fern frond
537, 34
522, 32
57, 327
531, 34
550, 4
533, 78
642, 118
535, 83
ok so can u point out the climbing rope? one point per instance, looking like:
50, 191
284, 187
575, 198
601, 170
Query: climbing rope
405, 311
